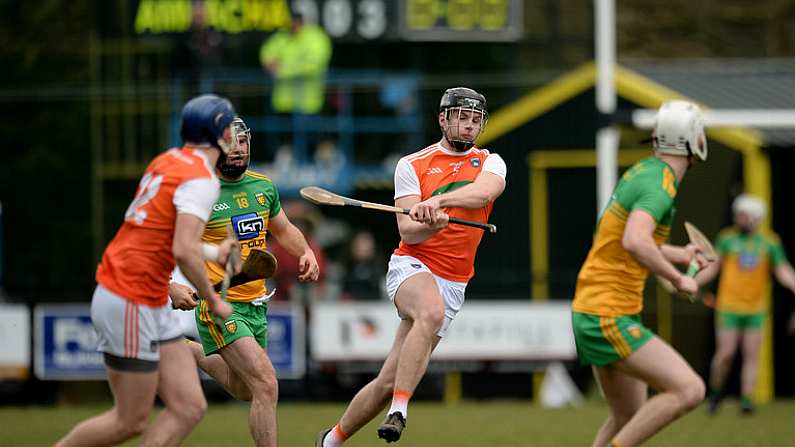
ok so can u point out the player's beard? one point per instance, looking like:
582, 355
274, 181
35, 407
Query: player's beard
230, 170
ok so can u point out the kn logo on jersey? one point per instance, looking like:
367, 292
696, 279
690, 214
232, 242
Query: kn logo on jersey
248, 226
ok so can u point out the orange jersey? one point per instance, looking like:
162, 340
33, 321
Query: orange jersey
450, 253
138, 261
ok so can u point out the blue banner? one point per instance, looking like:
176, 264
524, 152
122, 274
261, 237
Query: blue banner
286, 342
66, 344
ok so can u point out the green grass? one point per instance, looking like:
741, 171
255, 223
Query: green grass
475, 424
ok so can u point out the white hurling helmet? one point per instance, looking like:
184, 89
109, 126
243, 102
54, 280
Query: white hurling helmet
753, 206
680, 130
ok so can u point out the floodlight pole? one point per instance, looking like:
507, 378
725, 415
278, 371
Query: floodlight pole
607, 137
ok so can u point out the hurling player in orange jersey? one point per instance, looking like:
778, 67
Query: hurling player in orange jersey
429, 270
137, 332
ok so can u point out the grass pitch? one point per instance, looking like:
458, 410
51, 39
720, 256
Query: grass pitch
475, 424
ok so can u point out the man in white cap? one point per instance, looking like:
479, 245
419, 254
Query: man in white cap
747, 256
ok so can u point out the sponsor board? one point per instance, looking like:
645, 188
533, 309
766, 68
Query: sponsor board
500, 330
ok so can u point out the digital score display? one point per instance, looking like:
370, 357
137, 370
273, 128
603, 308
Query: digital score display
461, 20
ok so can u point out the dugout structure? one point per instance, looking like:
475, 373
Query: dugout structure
551, 131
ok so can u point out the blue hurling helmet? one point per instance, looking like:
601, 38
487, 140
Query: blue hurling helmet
204, 120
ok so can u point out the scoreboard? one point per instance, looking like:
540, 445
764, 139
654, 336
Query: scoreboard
346, 20
461, 20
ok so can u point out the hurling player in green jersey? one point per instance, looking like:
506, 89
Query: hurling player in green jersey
235, 355
748, 256
626, 357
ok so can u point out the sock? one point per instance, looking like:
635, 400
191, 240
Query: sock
335, 437
400, 402
714, 392
746, 401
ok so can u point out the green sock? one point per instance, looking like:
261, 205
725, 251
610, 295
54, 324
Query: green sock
746, 401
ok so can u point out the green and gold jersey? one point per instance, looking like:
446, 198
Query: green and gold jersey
611, 281
247, 205
746, 261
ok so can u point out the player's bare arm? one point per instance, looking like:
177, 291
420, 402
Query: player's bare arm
413, 231
683, 255
785, 275
295, 243
638, 242
484, 190
188, 255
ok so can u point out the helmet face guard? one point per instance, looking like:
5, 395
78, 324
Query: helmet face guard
465, 116
680, 130
237, 160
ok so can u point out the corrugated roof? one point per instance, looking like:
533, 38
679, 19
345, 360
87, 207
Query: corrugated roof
732, 83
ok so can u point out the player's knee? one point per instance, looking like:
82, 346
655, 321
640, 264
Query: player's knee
266, 386
692, 393
131, 426
433, 317
192, 411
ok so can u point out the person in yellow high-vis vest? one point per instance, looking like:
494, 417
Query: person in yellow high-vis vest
297, 58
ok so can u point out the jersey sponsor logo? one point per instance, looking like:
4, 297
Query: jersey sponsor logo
475, 162
256, 243
221, 206
748, 260
248, 226
456, 166
231, 326
260, 198
433, 170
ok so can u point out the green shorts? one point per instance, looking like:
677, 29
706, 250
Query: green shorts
603, 340
732, 320
247, 320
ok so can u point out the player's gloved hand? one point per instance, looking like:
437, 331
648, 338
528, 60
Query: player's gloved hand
181, 296
308, 268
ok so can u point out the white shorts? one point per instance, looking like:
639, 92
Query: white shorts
130, 330
402, 268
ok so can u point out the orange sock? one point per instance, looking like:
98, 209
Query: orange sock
400, 402
335, 437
